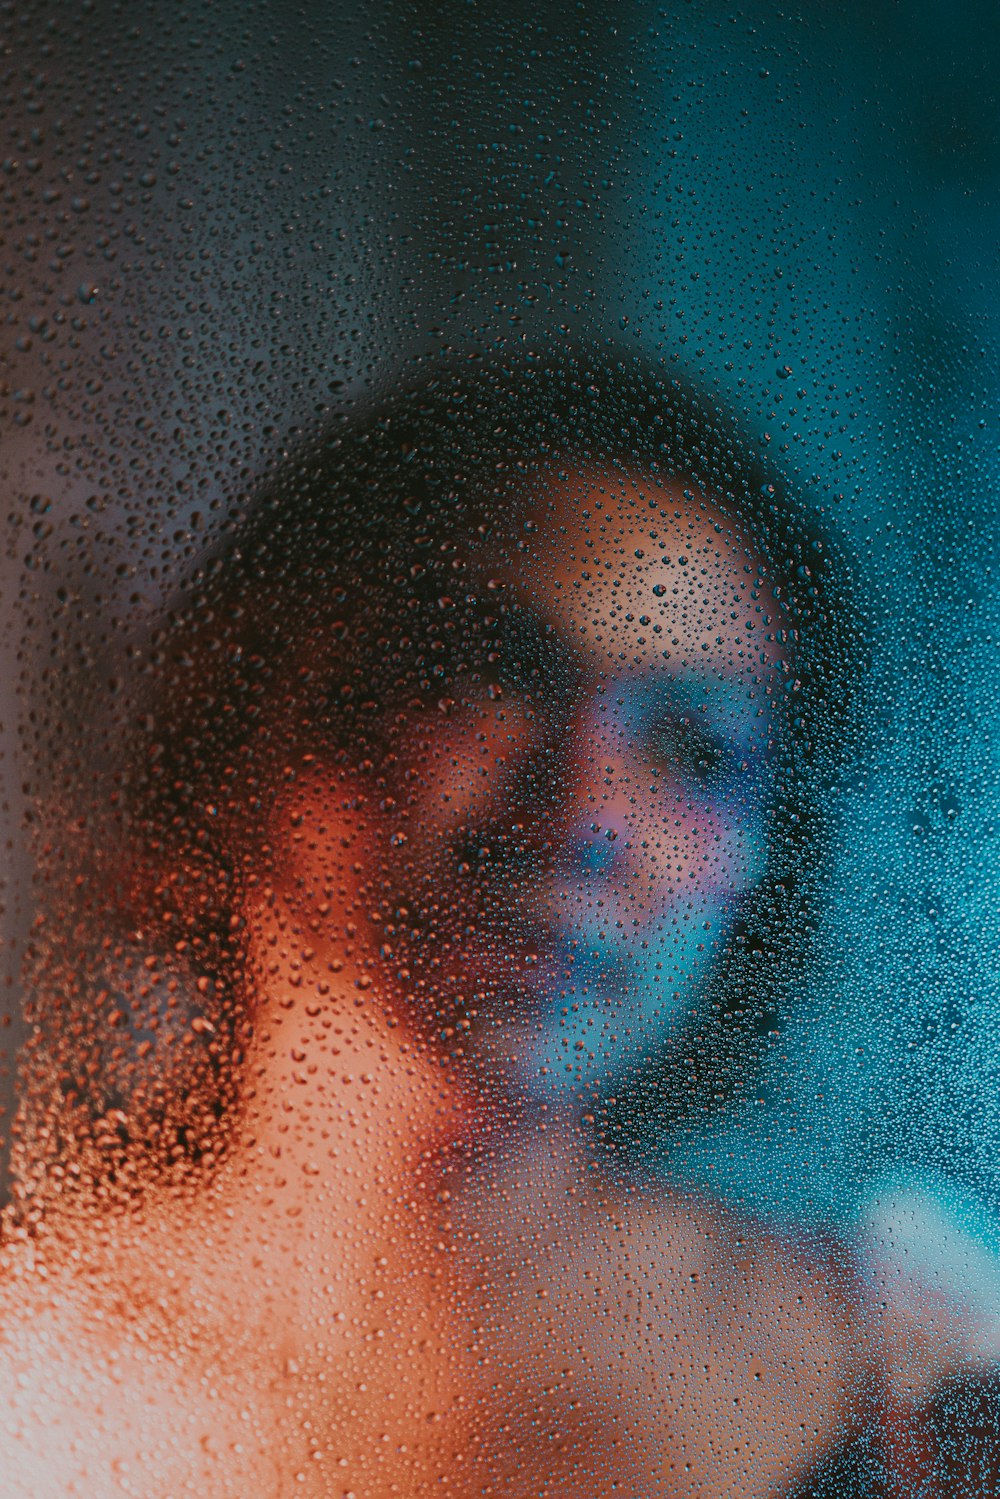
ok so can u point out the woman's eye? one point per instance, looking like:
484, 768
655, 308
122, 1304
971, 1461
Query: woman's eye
517, 674
531, 663
678, 745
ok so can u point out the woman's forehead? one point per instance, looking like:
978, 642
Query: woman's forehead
633, 565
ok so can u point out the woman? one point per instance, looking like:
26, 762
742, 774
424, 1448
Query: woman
478, 786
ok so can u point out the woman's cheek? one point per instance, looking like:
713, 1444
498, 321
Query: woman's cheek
706, 844
734, 845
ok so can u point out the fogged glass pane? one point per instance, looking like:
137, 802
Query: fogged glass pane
499, 771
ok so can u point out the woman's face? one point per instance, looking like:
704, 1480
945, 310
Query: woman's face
568, 844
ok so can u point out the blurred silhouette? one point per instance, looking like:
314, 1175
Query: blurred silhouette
473, 809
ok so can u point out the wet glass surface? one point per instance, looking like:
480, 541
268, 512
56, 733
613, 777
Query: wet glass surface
499, 772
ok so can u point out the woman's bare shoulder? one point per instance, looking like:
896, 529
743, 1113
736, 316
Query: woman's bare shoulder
86, 1410
48, 1431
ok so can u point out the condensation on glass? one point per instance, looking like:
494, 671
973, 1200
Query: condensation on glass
499, 771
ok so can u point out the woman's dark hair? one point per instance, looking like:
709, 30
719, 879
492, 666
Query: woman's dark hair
359, 554
357, 584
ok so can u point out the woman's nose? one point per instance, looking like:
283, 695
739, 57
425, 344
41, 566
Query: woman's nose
548, 787
583, 792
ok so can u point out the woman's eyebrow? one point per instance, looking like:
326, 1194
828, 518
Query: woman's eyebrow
719, 710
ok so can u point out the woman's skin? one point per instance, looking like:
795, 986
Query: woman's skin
359, 1303
289, 1326
410, 1275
